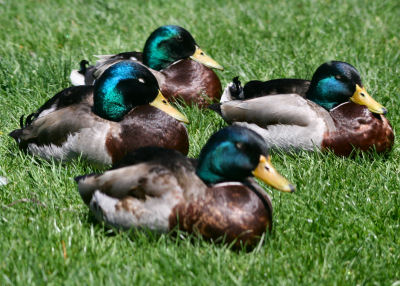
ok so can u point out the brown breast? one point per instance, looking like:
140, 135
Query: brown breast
147, 126
357, 126
191, 81
233, 212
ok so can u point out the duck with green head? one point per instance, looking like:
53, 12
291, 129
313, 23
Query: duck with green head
161, 189
123, 111
181, 67
332, 111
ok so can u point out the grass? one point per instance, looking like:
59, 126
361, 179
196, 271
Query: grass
342, 227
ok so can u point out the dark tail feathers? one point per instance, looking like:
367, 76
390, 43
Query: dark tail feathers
16, 134
83, 66
28, 120
237, 89
79, 178
216, 107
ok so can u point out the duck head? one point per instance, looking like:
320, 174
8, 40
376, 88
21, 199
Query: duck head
235, 153
336, 82
126, 85
168, 44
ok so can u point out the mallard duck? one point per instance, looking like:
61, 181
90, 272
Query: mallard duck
124, 110
333, 111
181, 67
161, 189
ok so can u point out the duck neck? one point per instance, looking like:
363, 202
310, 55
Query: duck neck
326, 94
206, 170
156, 57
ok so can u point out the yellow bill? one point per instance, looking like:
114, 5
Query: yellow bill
201, 57
267, 173
362, 97
161, 103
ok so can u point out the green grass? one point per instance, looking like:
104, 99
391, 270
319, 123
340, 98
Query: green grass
341, 227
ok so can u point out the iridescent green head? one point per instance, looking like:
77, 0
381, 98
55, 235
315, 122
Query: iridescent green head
235, 153
168, 44
125, 85
337, 82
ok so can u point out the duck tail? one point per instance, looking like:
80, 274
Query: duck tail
86, 186
28, 120
83, 67
83, 177
216, 107
16, 134
21, 121
77, 77
233, 91
236, 88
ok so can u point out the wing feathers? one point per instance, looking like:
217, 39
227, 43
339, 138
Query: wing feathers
137, 181
288, 109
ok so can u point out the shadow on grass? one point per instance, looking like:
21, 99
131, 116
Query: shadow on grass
176, 237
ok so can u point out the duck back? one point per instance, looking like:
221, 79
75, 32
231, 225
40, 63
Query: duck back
257, 88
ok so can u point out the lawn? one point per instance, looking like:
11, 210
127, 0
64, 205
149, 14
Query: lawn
341, 227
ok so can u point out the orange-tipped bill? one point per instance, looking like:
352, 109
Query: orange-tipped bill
362, 97
267, 173
161, 103
201, 57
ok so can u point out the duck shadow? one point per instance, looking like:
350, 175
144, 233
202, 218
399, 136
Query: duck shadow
356, 155
177, 237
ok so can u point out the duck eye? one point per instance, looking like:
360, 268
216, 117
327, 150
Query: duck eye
239, 145
179, 38
141, 80
338, 77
